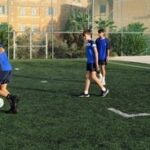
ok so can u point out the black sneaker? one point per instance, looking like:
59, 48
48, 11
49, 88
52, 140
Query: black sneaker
84, 95
13, 100
104, 93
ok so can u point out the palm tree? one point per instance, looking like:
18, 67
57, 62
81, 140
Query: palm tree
105, 24
77, 21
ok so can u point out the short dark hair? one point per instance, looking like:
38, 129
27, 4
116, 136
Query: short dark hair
1, 46
87, 31
101, 30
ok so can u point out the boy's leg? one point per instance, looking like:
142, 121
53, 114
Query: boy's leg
87, 85
3, 90
99, 83
5, 93
11, 99
96, 79
87, 82
103, 70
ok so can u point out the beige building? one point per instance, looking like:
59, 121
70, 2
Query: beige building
38, 15
130, 11
102, 9
42, 15
123, 12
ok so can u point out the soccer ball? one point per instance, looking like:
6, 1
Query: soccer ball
1, 102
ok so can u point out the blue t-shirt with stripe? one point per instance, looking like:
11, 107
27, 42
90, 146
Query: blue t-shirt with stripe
103, 45
90, 45
4, 62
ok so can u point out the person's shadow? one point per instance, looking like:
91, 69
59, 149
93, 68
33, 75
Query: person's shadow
3, 111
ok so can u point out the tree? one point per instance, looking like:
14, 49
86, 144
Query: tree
77, 21
23, 39
130, 40
4, 34
105, 24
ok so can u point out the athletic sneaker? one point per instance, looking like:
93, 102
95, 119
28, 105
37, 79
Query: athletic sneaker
13, 100
104, 93
84, 95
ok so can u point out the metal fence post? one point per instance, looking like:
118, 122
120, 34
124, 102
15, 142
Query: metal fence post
14, 45
30, 45
93, 14
46, 46
8, 9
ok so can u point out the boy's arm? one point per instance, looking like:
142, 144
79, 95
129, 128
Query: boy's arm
108, 54
96, 57
108, 49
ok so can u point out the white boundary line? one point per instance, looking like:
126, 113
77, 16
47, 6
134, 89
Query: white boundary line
16, 69
44, 81
126, 115
135, 66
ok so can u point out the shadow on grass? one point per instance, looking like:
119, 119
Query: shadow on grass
3, 111
48, 79
50, 91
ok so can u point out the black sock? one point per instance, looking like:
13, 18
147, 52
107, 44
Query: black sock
8, 96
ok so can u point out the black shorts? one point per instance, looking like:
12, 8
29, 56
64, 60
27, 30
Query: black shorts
102, 62
90, 67
5, 77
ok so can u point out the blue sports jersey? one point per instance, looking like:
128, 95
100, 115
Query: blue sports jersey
103, 45
90, 51
4, 62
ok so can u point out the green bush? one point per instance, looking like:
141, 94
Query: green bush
130, 40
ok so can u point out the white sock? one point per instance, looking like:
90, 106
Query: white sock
104, 89
103, 78
86, 92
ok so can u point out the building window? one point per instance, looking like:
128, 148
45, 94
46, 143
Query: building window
34, 11
103, 8
34, 28
22, 11
22, 27
51, 11
3, 10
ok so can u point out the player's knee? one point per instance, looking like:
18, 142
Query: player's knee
93, 76
87, 76
3, 88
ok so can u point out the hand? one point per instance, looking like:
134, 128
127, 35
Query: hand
107, 59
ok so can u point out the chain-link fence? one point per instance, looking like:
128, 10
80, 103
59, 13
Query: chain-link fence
53, 28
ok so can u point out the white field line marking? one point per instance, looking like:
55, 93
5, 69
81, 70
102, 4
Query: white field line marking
125, 115
135, 66
17, 69
44, 81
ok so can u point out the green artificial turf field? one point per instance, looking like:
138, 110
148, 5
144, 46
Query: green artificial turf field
52, 117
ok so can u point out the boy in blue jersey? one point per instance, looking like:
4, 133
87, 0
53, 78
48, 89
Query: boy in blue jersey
5, 77
103, 46
92, 65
